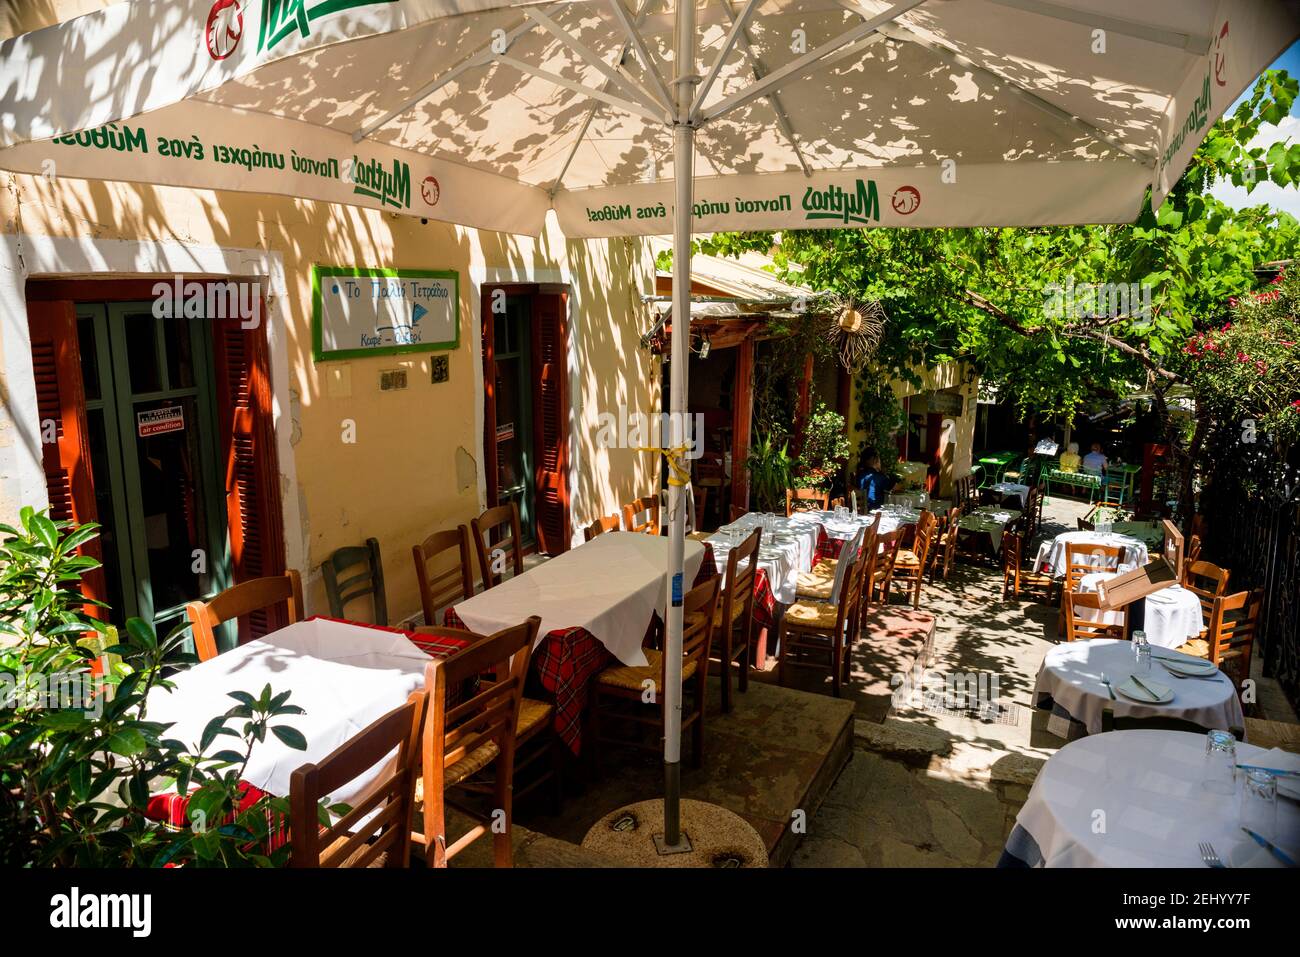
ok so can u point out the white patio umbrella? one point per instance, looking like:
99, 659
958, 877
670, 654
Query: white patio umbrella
489, 113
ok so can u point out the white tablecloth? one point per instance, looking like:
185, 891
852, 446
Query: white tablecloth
783, 554
1051, 555
1134, 799
1170, 616
991, 521
1071, 674
611, 586
343, 676
1012, 488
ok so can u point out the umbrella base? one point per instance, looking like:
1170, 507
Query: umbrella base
712, 836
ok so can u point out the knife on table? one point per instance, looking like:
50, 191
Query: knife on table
1271, 848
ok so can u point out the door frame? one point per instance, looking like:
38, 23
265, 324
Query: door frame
488, 394
26, 258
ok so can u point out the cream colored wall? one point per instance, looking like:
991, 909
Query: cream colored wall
947, 375
400, 479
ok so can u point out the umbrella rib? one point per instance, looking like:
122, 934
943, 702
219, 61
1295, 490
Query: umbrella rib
591, 111
638, 44
582, 89
483, 57
738, 25
1194, 43
629, 85
759, 71
1033, 98
846, 44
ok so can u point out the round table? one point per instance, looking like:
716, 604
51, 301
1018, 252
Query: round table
1171, 616
1051, 555
1070, 676
1134, 799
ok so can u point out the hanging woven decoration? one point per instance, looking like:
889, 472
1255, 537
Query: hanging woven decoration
855, 329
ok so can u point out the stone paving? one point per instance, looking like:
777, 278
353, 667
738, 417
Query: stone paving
931, 789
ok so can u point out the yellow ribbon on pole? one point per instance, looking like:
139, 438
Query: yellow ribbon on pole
677, 475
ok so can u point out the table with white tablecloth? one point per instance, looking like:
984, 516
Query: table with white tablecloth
343, 676
1170, 616
1135, 799
786, 548
990, 520
1070, 678
1051, 554
611, 587
1006, 489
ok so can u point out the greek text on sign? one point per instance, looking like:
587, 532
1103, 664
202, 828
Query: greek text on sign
157, 421
360, 312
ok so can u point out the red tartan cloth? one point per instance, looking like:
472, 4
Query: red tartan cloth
827, 547
170, 809
764, 601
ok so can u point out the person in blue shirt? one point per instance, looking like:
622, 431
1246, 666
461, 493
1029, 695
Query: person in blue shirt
874, 484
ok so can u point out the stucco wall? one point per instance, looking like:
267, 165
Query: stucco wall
400, 479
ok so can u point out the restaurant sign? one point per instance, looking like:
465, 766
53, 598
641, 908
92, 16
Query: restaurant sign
358, 312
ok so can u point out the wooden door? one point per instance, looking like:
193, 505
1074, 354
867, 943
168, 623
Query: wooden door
551, 420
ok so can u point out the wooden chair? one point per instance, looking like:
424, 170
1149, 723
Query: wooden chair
1230, 637
882, 573
1082, 558
478, 733
367, 579
909, 563
944, 551
1114, 488
1208, 581
538, 759
495, 532
734, 628
737, 511
1110, 721
813, 629
1015, 576
452, 578
1082, 629
805, 499
246, 599
1193, 550
633, 512
818, 583
619, 693
376, 832
700, 499
1084, 525
608, 523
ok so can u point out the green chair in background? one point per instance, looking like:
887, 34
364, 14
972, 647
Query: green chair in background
364, 576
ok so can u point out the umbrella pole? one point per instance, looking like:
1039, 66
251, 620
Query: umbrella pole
683, 173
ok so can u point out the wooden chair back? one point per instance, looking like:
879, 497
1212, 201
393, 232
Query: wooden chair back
924, 537
1085, 525
1232, 627
699, 609
1208, 581
1193, 549
352, 840
742, 569
496, 533
737, 511
238, 601
805, 499
607, 523
364, 571
888, 546
1082, 629
455, 732
951, 533
1081, 558
642, 515
444, 570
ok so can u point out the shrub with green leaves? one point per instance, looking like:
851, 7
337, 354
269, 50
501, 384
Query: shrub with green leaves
825, 449
79, 757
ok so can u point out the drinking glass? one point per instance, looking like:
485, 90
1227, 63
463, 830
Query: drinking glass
1220, 762
1142, 654
1259, 803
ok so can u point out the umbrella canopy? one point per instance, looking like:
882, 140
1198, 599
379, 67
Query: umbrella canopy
488, 113
798, 113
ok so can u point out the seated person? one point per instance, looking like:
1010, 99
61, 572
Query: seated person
1070, 459
1095, 461
874, 483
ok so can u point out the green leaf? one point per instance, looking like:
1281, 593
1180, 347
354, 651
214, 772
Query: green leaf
290, 737
126, 742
